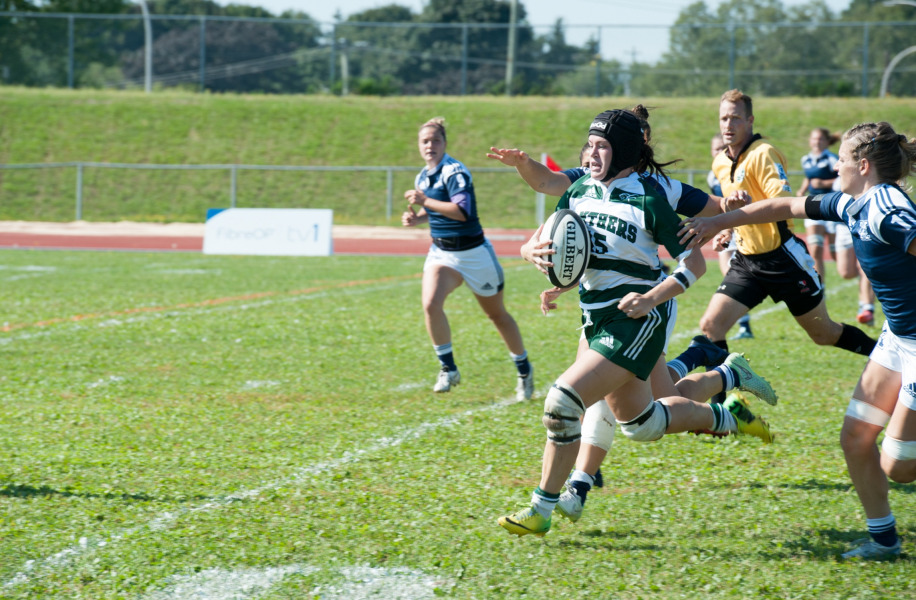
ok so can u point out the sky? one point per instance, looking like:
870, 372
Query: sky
627, 44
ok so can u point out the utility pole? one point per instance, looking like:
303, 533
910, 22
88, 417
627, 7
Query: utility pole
148, 51
510, 57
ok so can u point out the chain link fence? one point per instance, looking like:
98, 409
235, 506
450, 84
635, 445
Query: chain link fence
279, 55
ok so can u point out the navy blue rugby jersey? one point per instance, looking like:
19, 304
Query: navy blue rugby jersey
820, 167
883, 225
451, 182
689, 202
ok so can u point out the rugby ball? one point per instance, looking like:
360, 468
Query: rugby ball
569, 237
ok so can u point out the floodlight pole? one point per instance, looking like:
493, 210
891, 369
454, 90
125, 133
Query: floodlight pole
148, 51
886, 77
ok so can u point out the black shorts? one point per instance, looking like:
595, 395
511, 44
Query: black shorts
786, 275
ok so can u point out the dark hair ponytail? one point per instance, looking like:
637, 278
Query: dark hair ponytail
647, 160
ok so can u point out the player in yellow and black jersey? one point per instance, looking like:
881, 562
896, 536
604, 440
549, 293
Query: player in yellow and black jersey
770, 261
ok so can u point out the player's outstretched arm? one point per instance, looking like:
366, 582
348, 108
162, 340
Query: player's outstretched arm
699, 230
536, 174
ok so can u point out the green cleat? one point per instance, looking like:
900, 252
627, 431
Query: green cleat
526, 521
748, 423
749, 381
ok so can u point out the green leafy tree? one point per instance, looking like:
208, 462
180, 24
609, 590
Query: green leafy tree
435, 65
746, 43
872, 52
17, 39
241, 56
375, 44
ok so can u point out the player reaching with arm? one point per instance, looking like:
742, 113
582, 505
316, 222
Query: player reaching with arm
626, 306
873, 161
725, 372
769, 259
443, 196
724, 243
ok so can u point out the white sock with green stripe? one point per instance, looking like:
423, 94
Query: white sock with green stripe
723, 421
544, 502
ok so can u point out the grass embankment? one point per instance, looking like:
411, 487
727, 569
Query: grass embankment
183, 128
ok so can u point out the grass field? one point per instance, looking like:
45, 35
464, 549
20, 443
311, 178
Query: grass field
47, 126
191, 426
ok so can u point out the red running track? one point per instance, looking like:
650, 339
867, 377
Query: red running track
506, 242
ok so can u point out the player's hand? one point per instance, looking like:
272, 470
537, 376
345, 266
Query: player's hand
415, 198
409, 217
549, 297
722, 240
511, 157
736, 200
698, 230
635, 305
535, 251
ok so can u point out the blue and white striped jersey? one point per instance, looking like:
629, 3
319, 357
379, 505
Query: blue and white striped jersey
883, 225
451, 182
819, 167
685, 199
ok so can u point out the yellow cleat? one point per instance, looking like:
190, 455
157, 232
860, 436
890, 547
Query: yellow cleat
524, 522
748, 423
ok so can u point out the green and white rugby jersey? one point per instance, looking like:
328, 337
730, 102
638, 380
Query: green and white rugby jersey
628, 221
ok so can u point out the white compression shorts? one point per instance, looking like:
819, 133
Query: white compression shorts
898, 354
843, 238
478, 266
829, 226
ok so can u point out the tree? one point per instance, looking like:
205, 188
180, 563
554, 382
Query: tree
241, 55
746, 43
376, 52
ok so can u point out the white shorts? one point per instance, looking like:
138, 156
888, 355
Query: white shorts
899, 355
732, 245
843, 240
478, 266
829, 226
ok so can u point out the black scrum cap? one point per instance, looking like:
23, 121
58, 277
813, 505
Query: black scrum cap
624, 131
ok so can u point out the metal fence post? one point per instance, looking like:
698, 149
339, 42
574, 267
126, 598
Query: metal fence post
70, 51
464, 59
865, 61
731, 56
332, 70
233, 170
389, 174
79, 191
598, 64
203, 52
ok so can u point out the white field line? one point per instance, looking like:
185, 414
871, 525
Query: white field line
757, 313
60, 560
142, 317
351, 583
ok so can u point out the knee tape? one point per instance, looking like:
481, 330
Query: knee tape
815, 239
562, 410
863, 411
598, 426
898, 449
649, 426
